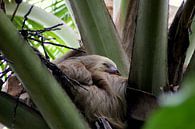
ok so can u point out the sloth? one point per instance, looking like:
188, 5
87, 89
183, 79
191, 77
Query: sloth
103, 94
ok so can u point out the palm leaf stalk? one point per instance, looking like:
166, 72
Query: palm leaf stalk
54, 105
148, 70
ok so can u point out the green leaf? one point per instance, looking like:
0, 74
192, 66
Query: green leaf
41, 17
176, 117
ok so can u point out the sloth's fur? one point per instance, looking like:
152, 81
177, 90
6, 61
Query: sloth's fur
103, 94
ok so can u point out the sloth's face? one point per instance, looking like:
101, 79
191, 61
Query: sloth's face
99, 63
110, 68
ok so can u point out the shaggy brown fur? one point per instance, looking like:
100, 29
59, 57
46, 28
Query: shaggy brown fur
105, 94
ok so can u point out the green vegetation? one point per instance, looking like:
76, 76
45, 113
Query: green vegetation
149, 69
